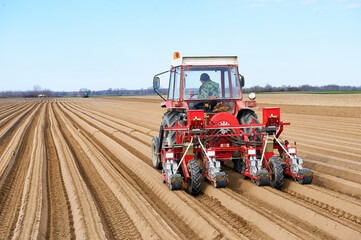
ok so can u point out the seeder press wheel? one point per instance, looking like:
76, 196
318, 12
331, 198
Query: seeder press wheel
221, 180
307, 177
264, 179
175, 182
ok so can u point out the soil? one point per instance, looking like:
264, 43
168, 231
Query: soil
81, 168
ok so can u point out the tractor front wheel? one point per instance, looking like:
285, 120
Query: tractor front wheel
194, 185
277, 172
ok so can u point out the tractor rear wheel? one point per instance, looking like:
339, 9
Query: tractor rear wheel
277, 172
246, 118
169, 120
157, 163
194, 185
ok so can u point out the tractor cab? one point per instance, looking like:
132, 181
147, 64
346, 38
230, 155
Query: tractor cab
212, 84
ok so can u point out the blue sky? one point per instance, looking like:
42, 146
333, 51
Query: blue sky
68, 45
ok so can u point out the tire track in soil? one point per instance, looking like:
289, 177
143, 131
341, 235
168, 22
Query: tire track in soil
60, 223
302, 216
335, 194
335, 210
13, 183
232, 220
331, 201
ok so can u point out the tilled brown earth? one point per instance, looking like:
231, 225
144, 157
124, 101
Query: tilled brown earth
81, 168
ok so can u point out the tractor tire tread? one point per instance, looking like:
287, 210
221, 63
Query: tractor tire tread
169, 120
194, 186
246, 118
276, 166
157, 163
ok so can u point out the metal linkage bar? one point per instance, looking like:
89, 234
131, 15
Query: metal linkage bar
204, 150
266, 137
184, 154
279, 143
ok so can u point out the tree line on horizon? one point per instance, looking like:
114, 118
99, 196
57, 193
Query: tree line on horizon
38, 92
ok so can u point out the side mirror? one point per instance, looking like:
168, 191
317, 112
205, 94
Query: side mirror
156, 82
241, 80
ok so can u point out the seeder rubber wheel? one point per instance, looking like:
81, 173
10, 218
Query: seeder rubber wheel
277, 172
194, 185
263, 181
175, 185
220, 183
157, 163
305, 179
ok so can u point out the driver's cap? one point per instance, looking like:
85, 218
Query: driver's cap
204, 77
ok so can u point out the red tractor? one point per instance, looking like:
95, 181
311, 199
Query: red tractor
208, 122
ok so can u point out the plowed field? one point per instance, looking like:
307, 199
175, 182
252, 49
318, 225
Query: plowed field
82, 168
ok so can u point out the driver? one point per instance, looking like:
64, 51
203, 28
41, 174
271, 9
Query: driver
208, 87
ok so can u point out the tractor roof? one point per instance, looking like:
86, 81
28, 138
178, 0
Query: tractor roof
212, 60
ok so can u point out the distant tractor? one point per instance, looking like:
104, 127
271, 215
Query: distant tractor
86, 95
207, 122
